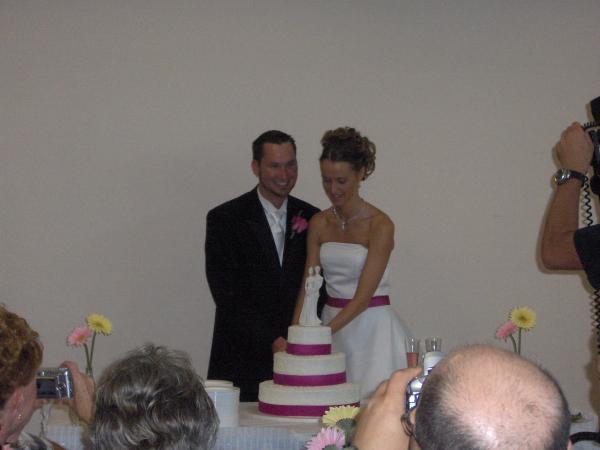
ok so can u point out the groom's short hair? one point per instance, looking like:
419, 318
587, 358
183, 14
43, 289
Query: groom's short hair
270, 137
482, 397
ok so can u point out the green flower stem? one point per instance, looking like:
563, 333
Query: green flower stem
519, 343
91, 352
347, 425
514, 343
88, 362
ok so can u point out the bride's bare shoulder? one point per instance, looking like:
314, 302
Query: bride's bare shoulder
380, 221
321, 218
319, 221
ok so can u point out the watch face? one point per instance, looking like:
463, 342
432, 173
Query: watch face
561, 176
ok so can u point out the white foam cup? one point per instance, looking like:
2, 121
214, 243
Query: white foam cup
227, 402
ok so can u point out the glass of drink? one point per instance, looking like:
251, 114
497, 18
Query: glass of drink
412, 351
433, 344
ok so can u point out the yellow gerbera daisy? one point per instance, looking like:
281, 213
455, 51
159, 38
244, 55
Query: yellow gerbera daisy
99, 324
336, 414
523, 317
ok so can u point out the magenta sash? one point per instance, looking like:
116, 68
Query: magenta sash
308, 349
309, 380
380, 300
296, 410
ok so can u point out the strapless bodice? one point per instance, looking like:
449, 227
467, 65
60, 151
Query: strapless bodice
342, 265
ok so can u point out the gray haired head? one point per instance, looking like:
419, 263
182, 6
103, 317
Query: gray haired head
153, 399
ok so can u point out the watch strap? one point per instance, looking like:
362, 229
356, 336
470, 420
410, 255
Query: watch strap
580, 176
563, 175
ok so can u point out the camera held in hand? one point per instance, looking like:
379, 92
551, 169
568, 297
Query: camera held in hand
54, 383
414, 388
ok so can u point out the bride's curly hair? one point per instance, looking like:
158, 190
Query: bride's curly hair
20, 353
346, 144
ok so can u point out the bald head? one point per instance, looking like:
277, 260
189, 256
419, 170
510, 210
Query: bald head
482, 397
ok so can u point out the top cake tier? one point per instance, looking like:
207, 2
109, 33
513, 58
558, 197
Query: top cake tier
305, 341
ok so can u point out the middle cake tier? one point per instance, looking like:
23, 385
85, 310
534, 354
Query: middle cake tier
318, 370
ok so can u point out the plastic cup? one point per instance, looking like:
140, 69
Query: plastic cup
433, 344
412, 351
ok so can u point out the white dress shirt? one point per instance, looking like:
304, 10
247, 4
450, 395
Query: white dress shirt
277, 219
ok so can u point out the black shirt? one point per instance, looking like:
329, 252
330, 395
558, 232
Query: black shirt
587, 243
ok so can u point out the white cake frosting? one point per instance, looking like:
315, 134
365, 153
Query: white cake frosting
285, 363
308, 378
319, 335
339, 394
292, 392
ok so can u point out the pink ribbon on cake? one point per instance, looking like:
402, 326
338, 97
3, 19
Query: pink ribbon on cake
379, 300
309, 380
297, 410
308, 349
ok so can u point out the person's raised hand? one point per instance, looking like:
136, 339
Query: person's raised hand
279, 345
379, 425
84, 389
574, 150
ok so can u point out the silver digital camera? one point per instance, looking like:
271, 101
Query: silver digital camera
413, 390
54, 383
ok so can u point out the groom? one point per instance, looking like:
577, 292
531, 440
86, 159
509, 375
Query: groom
255, 253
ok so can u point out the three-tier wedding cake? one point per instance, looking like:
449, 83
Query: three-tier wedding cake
307, 378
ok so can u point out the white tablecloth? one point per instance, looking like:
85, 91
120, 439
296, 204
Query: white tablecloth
586, 425
256, 432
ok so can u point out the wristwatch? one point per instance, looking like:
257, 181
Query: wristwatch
563, 175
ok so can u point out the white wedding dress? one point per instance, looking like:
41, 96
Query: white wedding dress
374, 341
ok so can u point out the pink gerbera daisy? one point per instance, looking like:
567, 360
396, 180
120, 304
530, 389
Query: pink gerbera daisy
79, 336
327, 439
506, 329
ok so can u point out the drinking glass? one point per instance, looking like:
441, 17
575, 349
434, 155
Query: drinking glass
412, 351
433, 344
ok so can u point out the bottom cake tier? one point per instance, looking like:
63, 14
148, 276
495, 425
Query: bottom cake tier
312, 401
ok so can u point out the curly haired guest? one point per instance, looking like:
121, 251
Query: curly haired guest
153, 399
20, 357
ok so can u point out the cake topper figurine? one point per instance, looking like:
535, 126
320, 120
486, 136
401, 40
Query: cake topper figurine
308, 316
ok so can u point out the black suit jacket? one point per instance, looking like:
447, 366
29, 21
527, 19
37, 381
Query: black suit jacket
254, 295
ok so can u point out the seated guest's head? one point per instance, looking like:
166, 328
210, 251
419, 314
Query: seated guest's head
478, 398
20, 357
482, 397
152, 399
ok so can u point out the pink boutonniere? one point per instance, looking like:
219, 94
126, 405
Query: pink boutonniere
299, 225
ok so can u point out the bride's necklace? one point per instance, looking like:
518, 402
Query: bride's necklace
346, 221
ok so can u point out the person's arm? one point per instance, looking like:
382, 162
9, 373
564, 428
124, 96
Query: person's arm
379, 426
574, 151
562, 220
313, 244
312, 259
381, 243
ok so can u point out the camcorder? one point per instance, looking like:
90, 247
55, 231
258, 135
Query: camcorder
54, 383
414, 388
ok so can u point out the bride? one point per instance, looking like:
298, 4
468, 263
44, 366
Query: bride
352, 242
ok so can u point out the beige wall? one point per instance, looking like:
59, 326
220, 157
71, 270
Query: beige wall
122, 122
